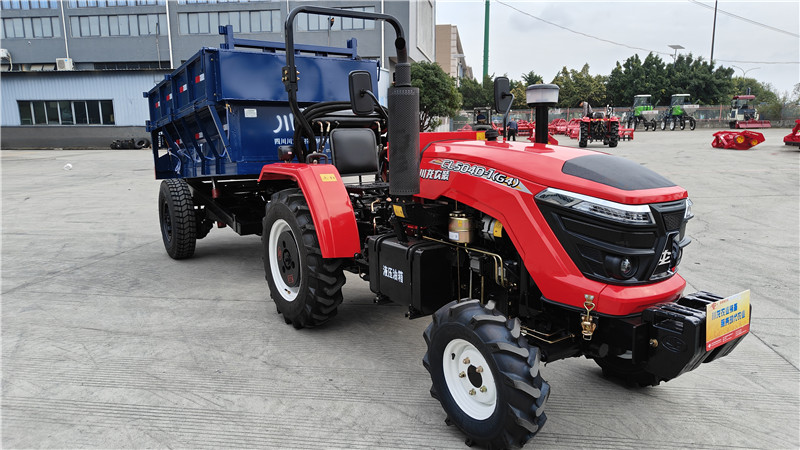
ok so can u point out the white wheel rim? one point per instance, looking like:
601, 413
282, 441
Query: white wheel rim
469, 379
287, 292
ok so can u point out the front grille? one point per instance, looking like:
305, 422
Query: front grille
595, 243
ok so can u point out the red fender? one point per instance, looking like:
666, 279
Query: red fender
328, 201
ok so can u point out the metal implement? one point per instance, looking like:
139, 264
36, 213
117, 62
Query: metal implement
737, 140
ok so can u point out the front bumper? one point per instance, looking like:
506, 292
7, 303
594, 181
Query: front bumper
676, 336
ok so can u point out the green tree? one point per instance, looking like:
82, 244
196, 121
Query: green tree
699, 79
531, 78
473, 94
577, 86
637, 77
763, 91
438, 96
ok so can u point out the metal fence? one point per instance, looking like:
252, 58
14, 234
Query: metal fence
707, 116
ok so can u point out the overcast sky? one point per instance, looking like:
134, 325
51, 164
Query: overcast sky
519, 43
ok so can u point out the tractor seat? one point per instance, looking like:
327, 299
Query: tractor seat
354, 151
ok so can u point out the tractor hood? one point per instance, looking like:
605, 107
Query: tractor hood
534, 167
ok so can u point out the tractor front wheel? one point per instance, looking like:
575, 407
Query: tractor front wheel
692, 123
177, 217
664, 124
485, 374
672, 124
306, 287
583, 137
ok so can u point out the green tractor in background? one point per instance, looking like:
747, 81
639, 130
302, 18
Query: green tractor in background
677, 114
642, 112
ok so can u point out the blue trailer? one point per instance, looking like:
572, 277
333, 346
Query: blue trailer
220, 117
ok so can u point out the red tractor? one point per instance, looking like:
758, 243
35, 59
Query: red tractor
521, 253
599, 127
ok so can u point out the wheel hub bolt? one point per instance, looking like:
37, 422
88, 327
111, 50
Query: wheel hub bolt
472, 392
479, 369
462, 375
466, 361
483, 388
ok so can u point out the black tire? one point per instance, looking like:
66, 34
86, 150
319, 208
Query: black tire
141, 143
177, 218
672, 124
613, 134
306, 287
509, 411
664, 124
692, 124
583, 137
615, 367
653, 124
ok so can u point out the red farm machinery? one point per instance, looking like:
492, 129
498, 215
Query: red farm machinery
744, 113
521, 253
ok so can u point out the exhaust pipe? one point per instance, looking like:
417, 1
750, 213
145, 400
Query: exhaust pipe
540, 96
403, 132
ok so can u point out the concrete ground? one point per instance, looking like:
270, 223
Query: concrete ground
108, 343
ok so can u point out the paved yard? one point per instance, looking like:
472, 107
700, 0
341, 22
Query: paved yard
108, 343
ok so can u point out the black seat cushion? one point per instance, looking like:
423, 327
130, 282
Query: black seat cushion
354, 151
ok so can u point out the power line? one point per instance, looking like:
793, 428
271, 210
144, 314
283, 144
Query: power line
763, 25
640, 48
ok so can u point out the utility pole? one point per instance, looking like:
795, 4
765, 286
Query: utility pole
486, 42
713, 33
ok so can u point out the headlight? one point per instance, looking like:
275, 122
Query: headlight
618, 212
688, 214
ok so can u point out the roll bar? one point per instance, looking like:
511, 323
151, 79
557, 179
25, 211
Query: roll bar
403, 77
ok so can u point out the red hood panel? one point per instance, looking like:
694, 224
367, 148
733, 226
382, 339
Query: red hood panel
541, 164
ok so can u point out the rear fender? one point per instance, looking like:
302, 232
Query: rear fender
331, 209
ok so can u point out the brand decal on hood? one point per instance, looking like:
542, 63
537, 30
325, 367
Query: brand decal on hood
488, 173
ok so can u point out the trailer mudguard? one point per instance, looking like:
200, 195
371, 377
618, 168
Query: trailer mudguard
328, 201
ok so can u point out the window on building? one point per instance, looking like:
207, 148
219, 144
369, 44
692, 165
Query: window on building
66, 112
122, 25
29, 4
113, 3
240, 21
316, 22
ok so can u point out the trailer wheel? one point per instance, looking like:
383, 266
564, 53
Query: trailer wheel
613, 138
485, 375
176, 215
692, 124
583, 136
625, 370
306, 288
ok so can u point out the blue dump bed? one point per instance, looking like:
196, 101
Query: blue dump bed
225, 111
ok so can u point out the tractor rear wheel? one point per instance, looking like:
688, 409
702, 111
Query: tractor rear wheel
583, 137
306, 287
672, 124
664, 124
653, 124
485, 374
625, 370
176, 215
692, 123
613, 134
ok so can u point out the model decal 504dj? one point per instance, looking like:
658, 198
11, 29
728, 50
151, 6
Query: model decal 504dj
521, 253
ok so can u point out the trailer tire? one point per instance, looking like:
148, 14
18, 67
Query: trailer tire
472, 347
306, 288
625, 370
177, 219
583, 135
